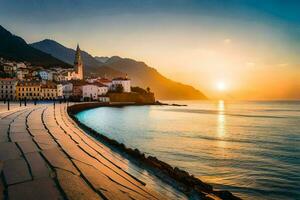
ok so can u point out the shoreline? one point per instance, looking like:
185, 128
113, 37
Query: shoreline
177, 178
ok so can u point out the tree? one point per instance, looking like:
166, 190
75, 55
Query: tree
138, 90
119, 88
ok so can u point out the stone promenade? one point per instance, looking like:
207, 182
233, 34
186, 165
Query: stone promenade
45, 155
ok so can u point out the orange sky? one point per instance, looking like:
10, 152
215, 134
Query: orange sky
252, 48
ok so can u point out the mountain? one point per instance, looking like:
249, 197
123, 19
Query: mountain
15, 48
141, 74
92, 65
102, 59
144, 76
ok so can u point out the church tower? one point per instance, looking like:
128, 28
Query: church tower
78, 64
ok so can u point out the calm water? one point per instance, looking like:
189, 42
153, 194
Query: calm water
249, 148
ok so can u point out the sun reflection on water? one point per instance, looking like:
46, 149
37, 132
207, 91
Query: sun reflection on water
221, 130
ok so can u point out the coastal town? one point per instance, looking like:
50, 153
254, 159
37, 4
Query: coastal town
23, 81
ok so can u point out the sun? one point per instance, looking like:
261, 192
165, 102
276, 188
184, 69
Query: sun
221, 86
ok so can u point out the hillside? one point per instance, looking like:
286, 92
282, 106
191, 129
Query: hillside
92, 65
15, 48
140, 74
145, 76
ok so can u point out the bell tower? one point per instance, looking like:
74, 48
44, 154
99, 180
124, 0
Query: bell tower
78, 64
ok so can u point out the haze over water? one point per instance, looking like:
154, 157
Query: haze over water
249, 148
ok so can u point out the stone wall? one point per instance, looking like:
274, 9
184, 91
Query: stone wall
132, 97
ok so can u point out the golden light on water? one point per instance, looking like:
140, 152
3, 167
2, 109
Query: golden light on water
221, 131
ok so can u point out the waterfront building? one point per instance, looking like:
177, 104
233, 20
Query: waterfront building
77, 89
49, 91
105, 81
28, 90
8, 88
64, 90
60, 94
90, 91
93, 91
124, 82
103, 98
77, 73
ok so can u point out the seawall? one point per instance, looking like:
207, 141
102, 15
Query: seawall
182, 180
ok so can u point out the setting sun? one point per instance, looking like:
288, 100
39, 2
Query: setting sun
221, 86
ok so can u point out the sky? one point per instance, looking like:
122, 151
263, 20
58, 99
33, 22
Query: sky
236, 49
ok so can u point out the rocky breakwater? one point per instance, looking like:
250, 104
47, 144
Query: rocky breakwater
187, 183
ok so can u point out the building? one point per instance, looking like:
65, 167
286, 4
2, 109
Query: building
104, 98
60, 94
8, 88
46, 75
105, 81
124, 82
77, 89
22, 73
61, 76
92, 91
64, 90
10, 69
49, 91
28, 90
77, 73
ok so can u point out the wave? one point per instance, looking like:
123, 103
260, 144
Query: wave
217, 112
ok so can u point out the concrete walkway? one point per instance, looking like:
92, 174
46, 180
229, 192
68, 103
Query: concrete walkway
45, 155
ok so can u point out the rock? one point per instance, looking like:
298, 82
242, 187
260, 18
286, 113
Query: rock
226, 195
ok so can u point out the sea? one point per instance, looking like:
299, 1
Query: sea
251, 148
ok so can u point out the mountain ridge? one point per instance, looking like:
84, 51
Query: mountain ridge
139, 72
15, 48
92, 65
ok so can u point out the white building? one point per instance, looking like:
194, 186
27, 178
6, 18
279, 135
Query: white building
124, 82
93, 91
65, 90
46, 75
8, 88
